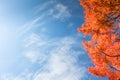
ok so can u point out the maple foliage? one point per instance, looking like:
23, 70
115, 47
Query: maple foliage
102, 23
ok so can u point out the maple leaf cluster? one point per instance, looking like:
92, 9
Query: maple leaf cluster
102, 23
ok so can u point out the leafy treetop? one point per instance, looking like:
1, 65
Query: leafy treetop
102, 23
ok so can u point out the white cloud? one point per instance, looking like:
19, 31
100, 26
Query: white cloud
32, 55
60, 11
57, 57
61, 67
54, 9
48, 9
32, 40
24, 76
61, 61
30, 25
43, 6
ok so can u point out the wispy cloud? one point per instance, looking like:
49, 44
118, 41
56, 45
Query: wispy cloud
60, 11
60, 67
50, 10
55, 10
58, 59
30, 25
42, 7
61, 61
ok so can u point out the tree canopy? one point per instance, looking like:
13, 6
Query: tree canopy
102, 23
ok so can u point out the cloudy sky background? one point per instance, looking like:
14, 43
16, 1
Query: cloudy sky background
39, 41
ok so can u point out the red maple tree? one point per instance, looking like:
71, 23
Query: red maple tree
102, 23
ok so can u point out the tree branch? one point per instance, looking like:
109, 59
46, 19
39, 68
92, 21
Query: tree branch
110, 55
114, 68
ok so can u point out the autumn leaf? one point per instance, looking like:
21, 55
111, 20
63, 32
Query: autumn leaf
102, 23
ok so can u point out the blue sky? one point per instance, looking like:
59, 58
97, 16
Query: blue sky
39, 41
